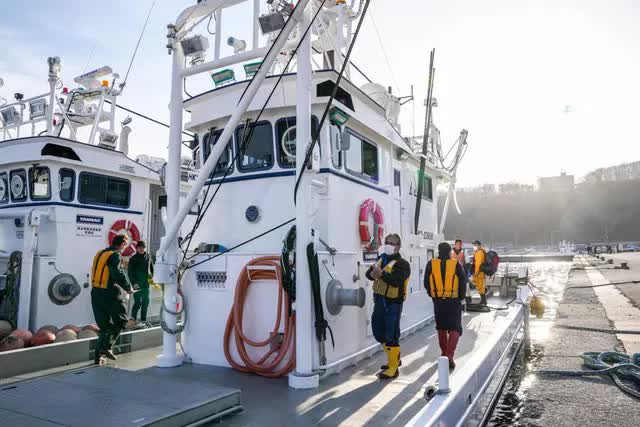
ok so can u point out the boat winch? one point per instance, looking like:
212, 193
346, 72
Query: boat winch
63, 289
337, 297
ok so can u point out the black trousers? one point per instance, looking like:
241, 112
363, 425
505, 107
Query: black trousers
110, 312
140, 303
385, 321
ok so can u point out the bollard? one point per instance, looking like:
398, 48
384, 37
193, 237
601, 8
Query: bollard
443, 375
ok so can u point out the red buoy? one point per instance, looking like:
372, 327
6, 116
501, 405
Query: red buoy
66, 335
73, 328
91, 327
11, 343
51, 328
43, 337
5, 328
24, 335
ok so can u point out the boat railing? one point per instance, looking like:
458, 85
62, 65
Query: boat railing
66, 108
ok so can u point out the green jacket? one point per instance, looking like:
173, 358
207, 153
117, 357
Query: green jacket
140, 270
116, 275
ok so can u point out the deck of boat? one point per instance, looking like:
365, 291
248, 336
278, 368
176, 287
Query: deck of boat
352, 397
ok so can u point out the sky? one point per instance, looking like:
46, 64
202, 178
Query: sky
505, 71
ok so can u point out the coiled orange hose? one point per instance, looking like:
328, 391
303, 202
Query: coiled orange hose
268, 364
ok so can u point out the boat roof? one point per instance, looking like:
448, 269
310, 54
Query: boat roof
364, 108
75, 153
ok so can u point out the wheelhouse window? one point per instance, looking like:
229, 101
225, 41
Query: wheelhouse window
336, 155
286, 140
362, 157
209, 140
104, 190
67, 185
40, 183
258, 151
396, 181
4, 188
427, 188
18, 185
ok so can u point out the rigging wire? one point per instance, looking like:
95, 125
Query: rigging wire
184, 82
90, 58
242, 244
135, 52
336, 86
384, 52
158, 122
211, 17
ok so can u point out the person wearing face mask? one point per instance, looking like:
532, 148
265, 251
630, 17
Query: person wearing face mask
446, 282
479, 257
390, 276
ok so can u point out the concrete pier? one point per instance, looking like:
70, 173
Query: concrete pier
588, 401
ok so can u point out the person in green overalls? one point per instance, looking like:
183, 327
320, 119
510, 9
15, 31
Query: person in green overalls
140, 272
109, 289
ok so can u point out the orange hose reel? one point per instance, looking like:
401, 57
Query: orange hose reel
267, 365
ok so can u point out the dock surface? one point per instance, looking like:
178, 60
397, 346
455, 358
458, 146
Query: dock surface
353, 397
588, 401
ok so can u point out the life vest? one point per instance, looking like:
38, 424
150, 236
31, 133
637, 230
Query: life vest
447, 288
381, 287
100, 269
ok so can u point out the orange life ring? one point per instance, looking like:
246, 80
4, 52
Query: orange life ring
129, 229
370, 207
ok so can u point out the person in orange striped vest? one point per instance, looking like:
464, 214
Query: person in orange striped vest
109, 289
446, 282
390, 275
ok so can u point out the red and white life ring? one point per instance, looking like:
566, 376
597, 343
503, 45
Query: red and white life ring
370, 207
129, 229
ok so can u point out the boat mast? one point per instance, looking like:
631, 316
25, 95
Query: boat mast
303, 376
169, 356
425, 143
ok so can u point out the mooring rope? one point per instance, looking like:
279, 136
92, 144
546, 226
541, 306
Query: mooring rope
615, 364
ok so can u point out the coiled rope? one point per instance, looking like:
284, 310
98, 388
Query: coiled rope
619, 366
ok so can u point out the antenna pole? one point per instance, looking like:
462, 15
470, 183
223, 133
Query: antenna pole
425, 143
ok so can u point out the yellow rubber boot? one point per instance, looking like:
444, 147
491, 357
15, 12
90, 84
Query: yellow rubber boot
394, 359
386, 351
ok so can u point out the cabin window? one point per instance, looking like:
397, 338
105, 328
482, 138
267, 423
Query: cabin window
336, 155
104, 190
396, 181
209, 140
40, 183
258, 151
362, 157
18, 185
287, 148
59, 151
427, 188
4, 188
67, 185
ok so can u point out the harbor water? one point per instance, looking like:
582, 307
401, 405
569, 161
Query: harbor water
550, 279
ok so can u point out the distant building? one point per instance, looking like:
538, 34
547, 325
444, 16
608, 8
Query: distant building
562, 183
622, 172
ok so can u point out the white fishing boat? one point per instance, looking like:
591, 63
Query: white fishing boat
67, 187
287, 138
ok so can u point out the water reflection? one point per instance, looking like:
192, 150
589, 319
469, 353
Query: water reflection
551, 279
